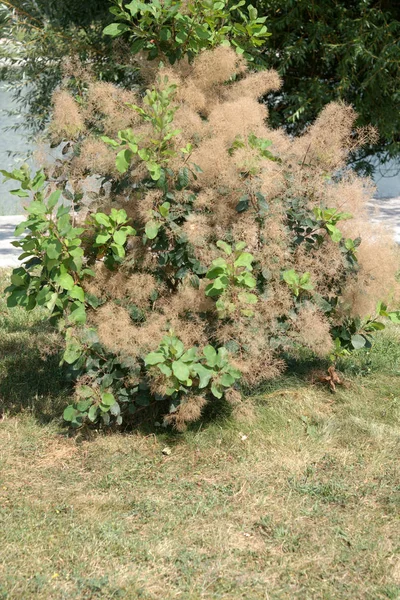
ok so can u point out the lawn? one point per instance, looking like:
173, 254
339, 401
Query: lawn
297, 497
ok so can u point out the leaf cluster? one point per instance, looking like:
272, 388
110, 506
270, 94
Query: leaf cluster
231, 278
173, 29
183, 369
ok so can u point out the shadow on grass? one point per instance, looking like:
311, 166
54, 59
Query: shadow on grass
31, 379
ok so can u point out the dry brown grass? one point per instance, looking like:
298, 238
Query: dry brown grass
299, 501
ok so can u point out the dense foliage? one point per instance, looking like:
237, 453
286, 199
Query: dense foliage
172, 29
347, 50
45, 39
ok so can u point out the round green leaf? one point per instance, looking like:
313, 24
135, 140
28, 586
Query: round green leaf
358, 341
180, 370
70, 413
65, 281
107, 399
151, 229
154, 358
102, 219
120, 237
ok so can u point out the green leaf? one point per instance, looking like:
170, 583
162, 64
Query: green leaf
123, 160
53, 199
110, 141
246, 280
180, 370
165, 34
154, 358
65, 281
120, 215
334, 232
204, 374
290, 277
37, 208
78, 314
18, 279
116, 29
102, 219
394, 316
72, 352
120, 237
211, 355
227, 380
183, 178
118, 250
83, 405
243, 204
164, 209
215, 272
215, 390
240, 246
244, 260
137, 45
151, 229
77, 293
20, 193
93, 413
358, 341
38, 181
102, 238
52, 301
225, 247
133, 7
70, 413
84, 391
107, 399
165, 370
20, 229
154, 170
190, 355
53, 250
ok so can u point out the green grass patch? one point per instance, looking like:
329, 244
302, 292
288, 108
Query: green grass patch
299, 497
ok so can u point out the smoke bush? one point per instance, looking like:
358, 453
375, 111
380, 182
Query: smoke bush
214, 245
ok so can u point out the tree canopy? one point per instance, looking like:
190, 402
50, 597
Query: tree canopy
330, 50
42, 35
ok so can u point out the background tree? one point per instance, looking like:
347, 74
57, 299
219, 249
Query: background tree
330, 50
41, 35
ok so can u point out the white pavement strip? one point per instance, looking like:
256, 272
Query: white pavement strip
385, 210
9, 254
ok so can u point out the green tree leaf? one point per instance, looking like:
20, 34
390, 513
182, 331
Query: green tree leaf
211, 355
180, 370
123, 160
204, 374
151, 229
116, 29
154, 358
70, 413
358, 341
65, 281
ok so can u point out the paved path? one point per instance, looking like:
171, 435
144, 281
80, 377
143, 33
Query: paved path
9, 254
388, 212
